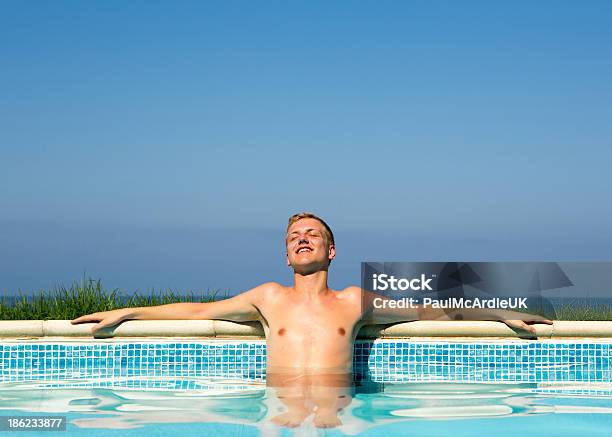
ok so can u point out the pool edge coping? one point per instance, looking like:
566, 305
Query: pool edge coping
217, 329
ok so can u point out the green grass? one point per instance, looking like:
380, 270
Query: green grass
584, 312
89, 296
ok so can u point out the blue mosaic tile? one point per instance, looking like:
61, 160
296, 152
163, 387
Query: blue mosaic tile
516, 362
183, 364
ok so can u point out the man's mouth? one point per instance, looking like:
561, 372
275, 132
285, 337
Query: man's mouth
303, 249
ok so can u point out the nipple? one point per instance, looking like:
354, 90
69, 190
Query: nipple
341, 331
281, 331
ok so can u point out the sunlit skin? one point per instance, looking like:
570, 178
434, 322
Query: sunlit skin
310, 329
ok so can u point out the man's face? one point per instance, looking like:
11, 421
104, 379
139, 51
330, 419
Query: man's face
307, 248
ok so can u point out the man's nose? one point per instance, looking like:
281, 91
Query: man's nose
303, 240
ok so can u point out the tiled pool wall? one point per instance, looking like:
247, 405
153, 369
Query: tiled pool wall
382, 360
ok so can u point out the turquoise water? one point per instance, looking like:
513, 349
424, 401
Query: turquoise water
217, 387
229, 407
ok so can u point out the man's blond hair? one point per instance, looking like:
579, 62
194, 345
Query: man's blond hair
329, 235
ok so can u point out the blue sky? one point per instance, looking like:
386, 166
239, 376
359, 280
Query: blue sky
150, 142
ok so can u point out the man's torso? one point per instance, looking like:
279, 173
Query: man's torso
310, 333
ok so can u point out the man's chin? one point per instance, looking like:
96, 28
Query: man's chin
308, 268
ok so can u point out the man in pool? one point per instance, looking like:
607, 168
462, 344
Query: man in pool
310, 329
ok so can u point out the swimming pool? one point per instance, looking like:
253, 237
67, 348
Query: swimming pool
403, 387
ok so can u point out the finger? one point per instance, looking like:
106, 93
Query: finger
521, 325
99, 326
105, 324
86, 318
545, 321
526, 327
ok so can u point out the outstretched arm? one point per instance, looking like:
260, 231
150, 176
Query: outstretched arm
240, 308
376, 310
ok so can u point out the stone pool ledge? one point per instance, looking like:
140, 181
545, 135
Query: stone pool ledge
253, 330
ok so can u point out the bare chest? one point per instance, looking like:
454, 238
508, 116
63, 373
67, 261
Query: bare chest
309, 320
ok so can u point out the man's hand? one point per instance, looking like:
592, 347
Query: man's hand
105, 319
524, 326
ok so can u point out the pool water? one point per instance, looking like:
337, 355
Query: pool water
402, 388
395, 409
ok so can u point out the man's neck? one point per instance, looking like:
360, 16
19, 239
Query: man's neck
311, 285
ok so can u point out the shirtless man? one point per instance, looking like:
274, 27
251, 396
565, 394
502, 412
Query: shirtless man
310, 329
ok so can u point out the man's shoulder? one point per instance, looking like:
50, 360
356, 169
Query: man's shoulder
262, 293
351, 291
269, 288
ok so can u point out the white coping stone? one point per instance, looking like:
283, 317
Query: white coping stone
133, 328
461, 329
12, 328
224, 329
583, 329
